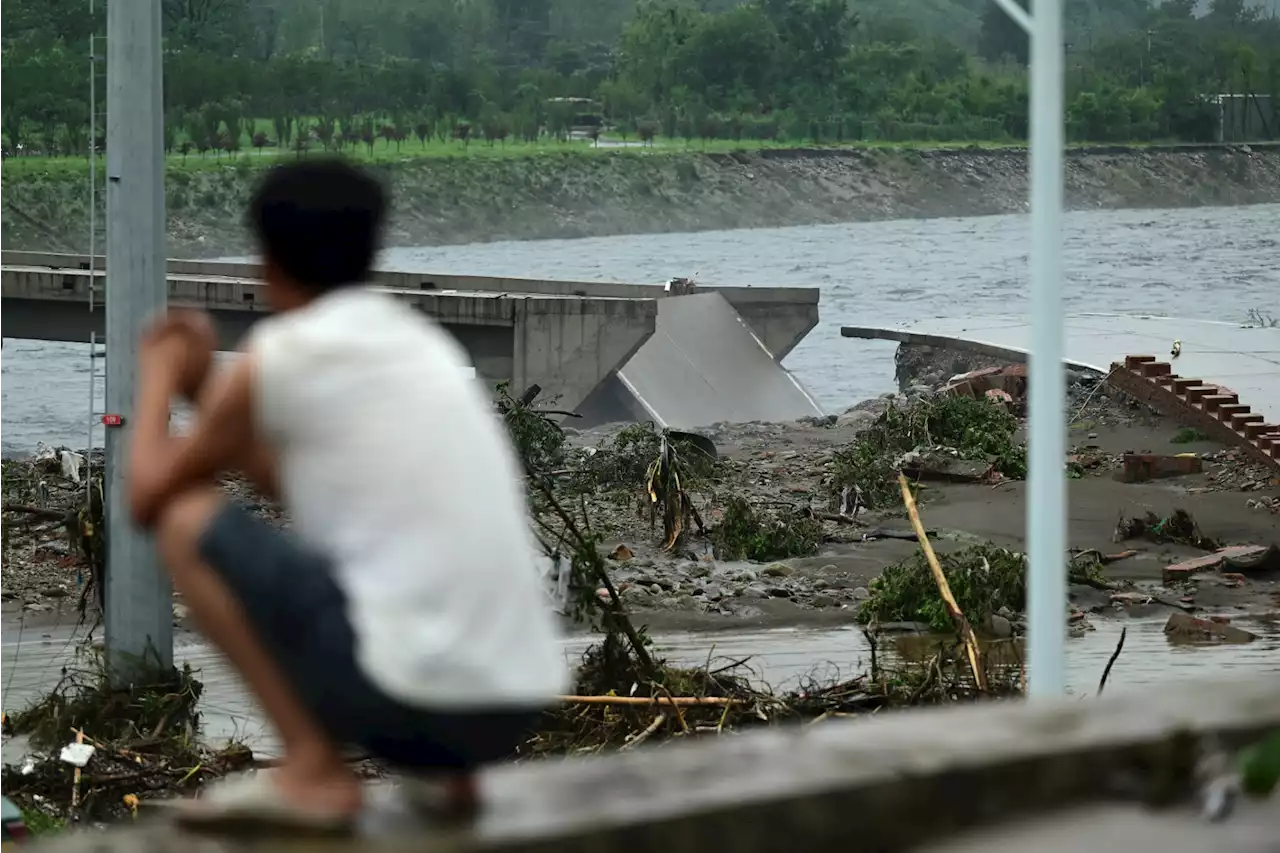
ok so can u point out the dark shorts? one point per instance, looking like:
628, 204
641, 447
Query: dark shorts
299, 613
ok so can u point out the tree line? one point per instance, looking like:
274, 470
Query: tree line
335, 74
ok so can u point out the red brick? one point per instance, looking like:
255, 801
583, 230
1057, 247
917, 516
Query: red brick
1166, 380
1229, 410
999, 396
1198, 392
1184, 570
1134, 362
1258, 428
1139, 467
1180, 385
1240, 419
1156, 368
1213, 401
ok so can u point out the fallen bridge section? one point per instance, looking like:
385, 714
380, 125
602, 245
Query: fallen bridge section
780, 317
566, 344
577, 340
941, 780
703, 365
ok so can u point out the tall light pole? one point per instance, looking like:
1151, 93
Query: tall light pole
139, 609
1047, 480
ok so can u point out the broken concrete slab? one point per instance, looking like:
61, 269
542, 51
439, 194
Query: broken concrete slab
1246, 560
1251, 560
940, 467
1188, 569
1190, 629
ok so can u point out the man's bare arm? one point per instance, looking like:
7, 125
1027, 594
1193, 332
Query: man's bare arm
162, 465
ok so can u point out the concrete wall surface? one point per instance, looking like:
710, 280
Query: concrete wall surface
704, 365
924, 780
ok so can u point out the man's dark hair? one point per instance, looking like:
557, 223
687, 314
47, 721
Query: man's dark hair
319, 222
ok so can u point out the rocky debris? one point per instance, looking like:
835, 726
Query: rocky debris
1141, 467
1240, 560
1190, 629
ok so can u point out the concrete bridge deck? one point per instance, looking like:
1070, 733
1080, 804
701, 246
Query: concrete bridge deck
571, 338
1001, 776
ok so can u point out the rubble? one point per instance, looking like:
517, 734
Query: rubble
1190, 629
1141, 467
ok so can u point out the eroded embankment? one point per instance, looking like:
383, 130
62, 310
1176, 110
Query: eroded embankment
587, 193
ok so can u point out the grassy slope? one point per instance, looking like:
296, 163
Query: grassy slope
445, 193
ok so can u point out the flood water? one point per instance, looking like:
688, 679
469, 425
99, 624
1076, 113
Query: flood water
783, 660
1206, 263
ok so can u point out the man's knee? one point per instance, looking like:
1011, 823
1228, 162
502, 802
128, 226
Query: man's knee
182, 522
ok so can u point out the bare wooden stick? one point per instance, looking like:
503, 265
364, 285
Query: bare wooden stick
649, 700
957, 616
75, 779
1111, 661
644, 735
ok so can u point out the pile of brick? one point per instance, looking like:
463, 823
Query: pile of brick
1212, 409
1007, 385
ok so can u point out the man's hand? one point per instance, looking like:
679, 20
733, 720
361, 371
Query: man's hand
180, 346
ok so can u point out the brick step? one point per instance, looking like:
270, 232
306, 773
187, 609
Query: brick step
1230, 410
1212, 402
1191, 398
1257, 429
1152, 369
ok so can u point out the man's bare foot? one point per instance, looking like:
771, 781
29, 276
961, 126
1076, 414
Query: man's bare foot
337, 791
454, 796
284, 800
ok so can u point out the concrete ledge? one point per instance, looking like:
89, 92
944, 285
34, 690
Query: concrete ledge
883, 783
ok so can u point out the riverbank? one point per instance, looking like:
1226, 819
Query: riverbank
790, 473
585, 192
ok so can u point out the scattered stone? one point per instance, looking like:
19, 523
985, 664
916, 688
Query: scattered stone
1000, 627
861, 593
621, 554
1188, 628
1141, 467
823, 601
778, 570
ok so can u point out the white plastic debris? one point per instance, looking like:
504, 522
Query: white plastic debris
555, 575
72, 463
77, 754
28, 766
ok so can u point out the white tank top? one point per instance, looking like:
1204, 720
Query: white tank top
394, 463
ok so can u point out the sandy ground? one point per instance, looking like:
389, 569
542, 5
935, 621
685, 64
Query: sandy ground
965, 514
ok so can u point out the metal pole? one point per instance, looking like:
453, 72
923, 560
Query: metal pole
1047, 486
139, 610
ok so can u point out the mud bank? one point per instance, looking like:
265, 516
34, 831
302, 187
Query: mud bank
792, 465
594, 193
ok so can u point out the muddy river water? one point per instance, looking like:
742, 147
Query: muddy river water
33, 659
1209, 263
1206, 263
